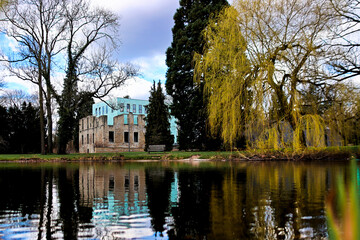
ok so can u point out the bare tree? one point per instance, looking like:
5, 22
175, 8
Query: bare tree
345, 45
17, 97
90, 72
44, 29
37, 27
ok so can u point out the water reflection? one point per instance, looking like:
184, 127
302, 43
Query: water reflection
166, 201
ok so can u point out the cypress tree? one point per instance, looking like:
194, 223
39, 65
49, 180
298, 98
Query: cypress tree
157, 120
188, 105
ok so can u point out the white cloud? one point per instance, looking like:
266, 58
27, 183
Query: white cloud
136, 88
152, 67
12, 44
8, 45
13, 82
139, 6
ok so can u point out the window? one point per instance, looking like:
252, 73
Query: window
82, 139
82, 124
136, 137
128, 107
93, 138
126, 137
126, 119
140, 108
87, 123
145, 109
134, 108
136, 183
121, 107
112, 110
95, 111
106, 109
103, 112
111, 136
127, 182
87, 138
111, 183
135, 120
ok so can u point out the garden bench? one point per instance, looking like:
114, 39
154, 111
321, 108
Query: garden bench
156, 148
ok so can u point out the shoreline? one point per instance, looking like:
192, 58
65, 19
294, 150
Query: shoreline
306, 156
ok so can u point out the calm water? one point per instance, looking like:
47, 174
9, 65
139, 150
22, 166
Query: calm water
166, 200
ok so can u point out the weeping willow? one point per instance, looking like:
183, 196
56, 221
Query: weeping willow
226, 72
258, 70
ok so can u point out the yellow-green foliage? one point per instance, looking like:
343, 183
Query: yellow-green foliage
226, 72
342, 116
260, 58
343, 209
269, 139
312, 126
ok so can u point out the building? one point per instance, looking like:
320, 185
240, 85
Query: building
116, 129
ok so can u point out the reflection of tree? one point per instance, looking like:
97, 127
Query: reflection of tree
158, 187
71, 213
271, 201
228, 207
46, 203
192, 215
20, 190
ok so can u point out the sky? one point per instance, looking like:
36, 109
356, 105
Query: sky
145, 34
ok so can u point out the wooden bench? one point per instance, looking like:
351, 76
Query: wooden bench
156, 148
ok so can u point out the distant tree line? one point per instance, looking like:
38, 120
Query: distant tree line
19, 129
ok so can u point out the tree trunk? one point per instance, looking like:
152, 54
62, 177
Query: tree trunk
49, 122
42, 125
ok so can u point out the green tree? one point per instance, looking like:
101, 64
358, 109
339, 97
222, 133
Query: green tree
188, 105
257, 77
24, 127
225, 68
157, 120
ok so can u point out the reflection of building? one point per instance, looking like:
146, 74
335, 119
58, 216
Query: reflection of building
126, 187
116, 130
118, 198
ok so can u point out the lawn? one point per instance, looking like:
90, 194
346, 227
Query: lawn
119, 156
338, 152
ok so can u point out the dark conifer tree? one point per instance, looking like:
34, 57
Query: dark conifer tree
157, 120
31, 127
23, 129
4, 130
188, 104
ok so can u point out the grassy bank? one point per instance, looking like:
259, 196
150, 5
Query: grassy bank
119, 156
330, 153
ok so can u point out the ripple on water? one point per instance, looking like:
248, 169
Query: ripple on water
15, 226
120, 227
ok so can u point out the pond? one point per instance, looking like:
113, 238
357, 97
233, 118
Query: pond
166, 200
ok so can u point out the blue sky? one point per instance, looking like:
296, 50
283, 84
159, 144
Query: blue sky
145, 34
